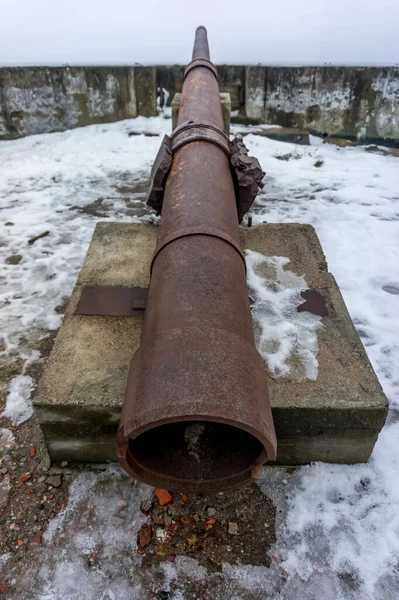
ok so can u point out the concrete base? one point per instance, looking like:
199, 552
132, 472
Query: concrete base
225, 101
283, 134
335, 418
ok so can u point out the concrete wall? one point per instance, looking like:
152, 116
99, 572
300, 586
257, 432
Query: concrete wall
342, 101
348, 102
40, 100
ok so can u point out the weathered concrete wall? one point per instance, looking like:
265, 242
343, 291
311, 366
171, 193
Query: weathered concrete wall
341, 101
40, 100
349, 102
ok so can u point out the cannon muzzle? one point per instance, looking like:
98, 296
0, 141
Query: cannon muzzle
201, 46
196, 415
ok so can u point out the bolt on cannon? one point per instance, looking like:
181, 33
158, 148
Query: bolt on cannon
196, 414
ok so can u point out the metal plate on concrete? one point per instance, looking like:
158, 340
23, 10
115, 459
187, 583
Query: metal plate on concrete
112, 301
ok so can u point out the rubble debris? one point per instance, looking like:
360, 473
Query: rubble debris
146, 506
14, 259
233, 528
211, 528
34, 239
145, 535
164, 497
54, 480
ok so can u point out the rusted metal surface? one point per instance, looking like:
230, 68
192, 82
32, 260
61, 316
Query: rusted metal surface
112, 301
201, 46
196, 414
197, 230
248, 176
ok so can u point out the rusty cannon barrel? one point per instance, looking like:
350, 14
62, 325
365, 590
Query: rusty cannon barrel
196, 415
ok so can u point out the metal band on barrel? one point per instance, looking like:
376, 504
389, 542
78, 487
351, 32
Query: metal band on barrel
200, 131
201, 230
201, 62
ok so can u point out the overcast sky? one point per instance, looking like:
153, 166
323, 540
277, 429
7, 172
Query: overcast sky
53, 32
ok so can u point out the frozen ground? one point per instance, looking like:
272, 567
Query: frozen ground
337, 526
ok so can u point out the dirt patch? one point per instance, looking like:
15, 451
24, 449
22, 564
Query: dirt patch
44, 346
383, 151
145, 133
129, 199
341, 142
289, 156
94, 209
236, 527
138, 187
29, 495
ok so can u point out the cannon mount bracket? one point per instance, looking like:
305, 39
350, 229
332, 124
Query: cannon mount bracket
247, 176
246, 170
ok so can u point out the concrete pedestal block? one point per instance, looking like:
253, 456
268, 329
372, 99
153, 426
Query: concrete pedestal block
225, 101
335, 418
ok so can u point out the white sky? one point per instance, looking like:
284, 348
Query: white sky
38, 32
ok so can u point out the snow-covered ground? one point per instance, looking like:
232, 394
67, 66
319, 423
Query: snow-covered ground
337, 526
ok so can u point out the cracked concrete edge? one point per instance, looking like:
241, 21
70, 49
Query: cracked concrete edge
291, 451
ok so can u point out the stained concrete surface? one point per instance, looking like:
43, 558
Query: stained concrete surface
41, 99
351, 102
335, 418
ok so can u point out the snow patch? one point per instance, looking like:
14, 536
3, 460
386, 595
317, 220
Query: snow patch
285, 338
352, 201
19, 405
94, 521
347, 543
